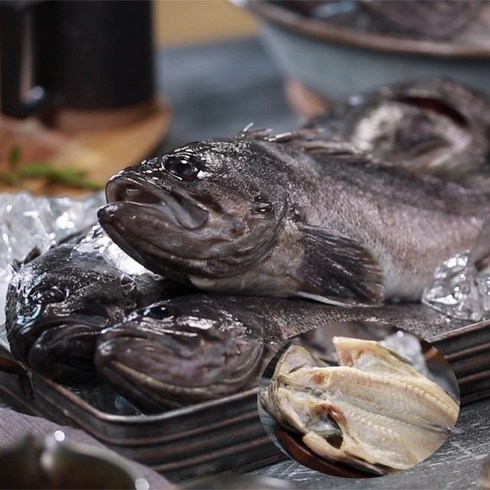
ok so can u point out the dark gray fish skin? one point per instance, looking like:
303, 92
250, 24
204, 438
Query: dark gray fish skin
201, 347
436, 126
58, 302
253, 216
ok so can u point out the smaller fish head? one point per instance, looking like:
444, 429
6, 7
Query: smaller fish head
56, 305
202, 209
175, 353
434, 125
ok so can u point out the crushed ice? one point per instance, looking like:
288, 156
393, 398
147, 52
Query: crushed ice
459, 290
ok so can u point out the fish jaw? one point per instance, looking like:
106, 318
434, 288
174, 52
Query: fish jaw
222, 246
64, 350
179, 359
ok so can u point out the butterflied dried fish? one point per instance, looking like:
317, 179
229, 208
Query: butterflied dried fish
485, 474
388, 416
257, 215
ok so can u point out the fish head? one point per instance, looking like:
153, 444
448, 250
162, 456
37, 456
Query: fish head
437, 126
179, 351
57, 304
203, 209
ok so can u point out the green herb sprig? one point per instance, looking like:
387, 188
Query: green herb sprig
40, 170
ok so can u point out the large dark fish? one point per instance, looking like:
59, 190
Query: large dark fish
256, 215
436, 126
58, 302
199, 347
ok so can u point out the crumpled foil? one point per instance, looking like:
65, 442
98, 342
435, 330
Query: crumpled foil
459, 290
28, 221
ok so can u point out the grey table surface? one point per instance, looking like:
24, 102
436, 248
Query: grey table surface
216, 90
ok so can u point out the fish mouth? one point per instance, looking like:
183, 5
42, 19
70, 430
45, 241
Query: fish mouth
435, 105
172, 205
170, 365
61, 348
65, 354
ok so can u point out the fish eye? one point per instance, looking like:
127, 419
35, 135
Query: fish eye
158, 312
181, 167
42, 295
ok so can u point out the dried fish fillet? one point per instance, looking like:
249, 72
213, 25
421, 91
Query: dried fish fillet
484, 479
370, 356
373, 410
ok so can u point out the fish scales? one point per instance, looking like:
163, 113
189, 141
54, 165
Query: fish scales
401, 212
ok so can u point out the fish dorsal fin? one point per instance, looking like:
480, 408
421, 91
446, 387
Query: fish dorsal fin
306, 139
331, 147
338, 269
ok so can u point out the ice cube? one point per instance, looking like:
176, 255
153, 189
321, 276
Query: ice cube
456, 290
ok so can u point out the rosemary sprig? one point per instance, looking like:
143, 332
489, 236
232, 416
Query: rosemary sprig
45, 172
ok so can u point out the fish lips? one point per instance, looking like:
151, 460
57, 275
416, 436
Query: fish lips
61, 349
120, 222
173, 367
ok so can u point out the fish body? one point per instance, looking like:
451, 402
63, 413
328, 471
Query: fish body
386, 419
58, 302
251, 215
200, 347
436, 126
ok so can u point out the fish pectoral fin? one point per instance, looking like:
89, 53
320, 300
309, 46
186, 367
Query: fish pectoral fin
337, 268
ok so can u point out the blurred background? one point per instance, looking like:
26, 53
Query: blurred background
193, 21
89, 85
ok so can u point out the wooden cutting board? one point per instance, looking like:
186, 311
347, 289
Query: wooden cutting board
99, 152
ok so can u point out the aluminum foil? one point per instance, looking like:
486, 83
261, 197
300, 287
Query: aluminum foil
27, 222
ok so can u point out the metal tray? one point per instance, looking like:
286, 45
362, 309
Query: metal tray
210, 438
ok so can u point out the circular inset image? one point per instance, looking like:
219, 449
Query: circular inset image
358, 407
484, 480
